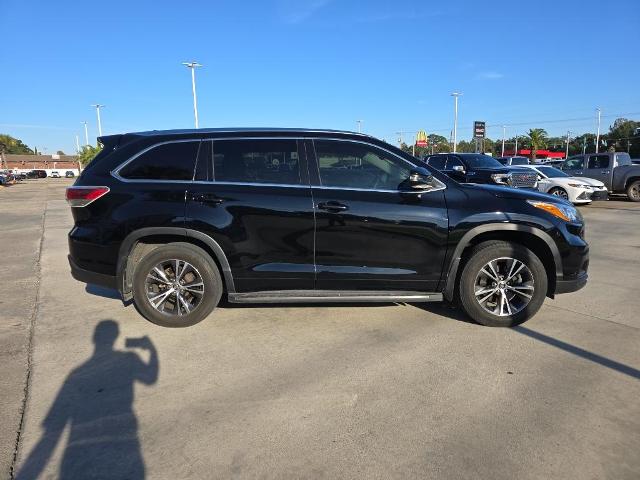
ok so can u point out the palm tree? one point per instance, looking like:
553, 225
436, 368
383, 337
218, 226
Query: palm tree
538, 140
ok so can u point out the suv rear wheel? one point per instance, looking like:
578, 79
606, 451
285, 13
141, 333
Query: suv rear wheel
176, 285
503, 284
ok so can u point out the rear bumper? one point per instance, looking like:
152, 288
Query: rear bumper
571, 285
94, 278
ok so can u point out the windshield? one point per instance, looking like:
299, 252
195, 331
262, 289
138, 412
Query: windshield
481, 161
552, 172
519, 161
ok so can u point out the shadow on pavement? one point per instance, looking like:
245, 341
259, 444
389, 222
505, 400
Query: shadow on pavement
457, 314
96, 404
99, 291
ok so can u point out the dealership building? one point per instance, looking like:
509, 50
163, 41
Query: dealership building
48, 163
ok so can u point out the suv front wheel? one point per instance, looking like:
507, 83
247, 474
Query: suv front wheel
176, 285
502, 284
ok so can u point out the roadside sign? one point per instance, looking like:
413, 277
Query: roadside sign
479, 129
421, 139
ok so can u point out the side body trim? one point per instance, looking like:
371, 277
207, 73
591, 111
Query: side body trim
332, 296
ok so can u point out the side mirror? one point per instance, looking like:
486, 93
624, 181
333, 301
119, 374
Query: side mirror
458, 168
418, 181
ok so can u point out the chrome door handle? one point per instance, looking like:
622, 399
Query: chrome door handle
605, 172
209, 198
332, 206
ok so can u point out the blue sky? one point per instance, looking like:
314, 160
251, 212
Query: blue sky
316, 63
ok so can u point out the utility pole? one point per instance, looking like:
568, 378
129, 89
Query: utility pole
359, 122
504, 134
598, 135
455, 96
193, 66
86, 134
98, 107
568, 138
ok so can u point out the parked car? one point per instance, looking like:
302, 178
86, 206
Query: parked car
69, 174
614, 169
175, 219
513, 160
37, 174
577, 190
55, 174
478, 168
7, 177
20, 176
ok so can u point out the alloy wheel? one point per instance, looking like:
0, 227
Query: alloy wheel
174, 287
560, 193
504, 286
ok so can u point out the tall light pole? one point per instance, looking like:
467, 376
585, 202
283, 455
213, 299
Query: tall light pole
455, 95
77, 144
399, 139
86, 134
98, 107
193, 66
504, 134
598, 135
359, 122
516, 149
568, 138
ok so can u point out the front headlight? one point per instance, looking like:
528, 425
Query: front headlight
566, 212
500, 178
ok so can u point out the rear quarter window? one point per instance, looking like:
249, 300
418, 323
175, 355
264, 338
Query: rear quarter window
168, 161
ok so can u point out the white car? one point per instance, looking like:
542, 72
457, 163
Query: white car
55, 174
578, 190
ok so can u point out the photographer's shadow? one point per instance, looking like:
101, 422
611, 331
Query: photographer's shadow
96, 403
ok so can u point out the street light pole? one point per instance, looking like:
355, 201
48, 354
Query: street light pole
455, 95
359, 122
77, 144
86, 134
98, 107
567, 152
598, 135
504, 134
192, 66
516, 149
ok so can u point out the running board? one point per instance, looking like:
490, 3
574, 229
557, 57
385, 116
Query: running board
333, 296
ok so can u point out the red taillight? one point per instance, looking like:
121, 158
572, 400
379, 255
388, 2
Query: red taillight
83, 196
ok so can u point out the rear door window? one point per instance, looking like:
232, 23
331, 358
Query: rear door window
167, 161
256, 161
598, 161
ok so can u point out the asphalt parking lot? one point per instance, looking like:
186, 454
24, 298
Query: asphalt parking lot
390, 391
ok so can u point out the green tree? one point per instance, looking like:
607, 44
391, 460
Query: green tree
537, 140
9, 144
88, 153
60, 152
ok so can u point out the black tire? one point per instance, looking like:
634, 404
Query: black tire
633, 191
203, 265
468, 285
559, 192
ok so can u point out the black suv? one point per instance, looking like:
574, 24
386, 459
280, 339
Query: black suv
176, 219
479, 168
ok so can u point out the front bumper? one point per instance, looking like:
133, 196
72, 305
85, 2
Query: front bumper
600, 195
572, 284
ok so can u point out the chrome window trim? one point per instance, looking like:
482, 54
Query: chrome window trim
116, 171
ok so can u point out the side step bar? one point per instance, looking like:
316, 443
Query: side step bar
333, 296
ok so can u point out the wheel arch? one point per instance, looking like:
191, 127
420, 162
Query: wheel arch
533, 238
139, 242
